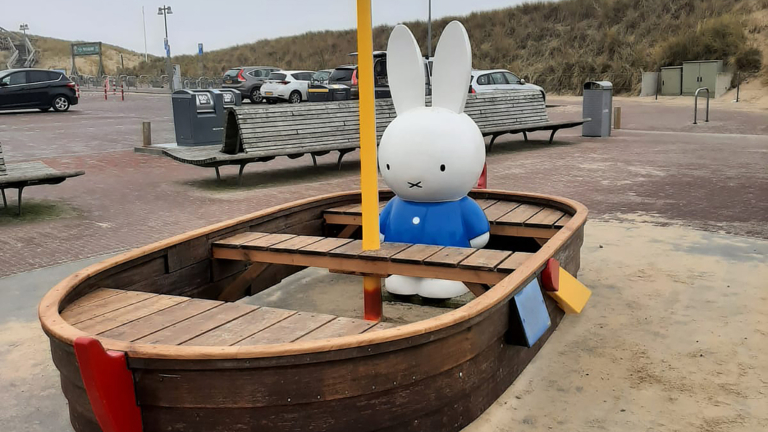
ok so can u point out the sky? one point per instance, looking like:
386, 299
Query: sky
209, 22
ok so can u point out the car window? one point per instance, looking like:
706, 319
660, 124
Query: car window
484, 79
232, 73
15, 78
512, 78
34, 76
498, 78
340, 75
303, 76
277, 76
54, 76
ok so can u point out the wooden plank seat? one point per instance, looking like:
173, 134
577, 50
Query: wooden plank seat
150, 318
261, 133
481, 266
507, 218
24, 174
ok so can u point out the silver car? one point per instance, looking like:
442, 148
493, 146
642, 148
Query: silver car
499, 79
248, 80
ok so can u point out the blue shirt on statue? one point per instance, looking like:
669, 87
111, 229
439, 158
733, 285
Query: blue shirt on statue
449, 223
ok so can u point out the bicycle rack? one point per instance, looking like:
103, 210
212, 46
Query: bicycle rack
696, 104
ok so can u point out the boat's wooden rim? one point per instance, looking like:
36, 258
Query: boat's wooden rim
56, 327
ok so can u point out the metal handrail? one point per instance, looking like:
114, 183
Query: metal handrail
30, 61
696, 104
14, 56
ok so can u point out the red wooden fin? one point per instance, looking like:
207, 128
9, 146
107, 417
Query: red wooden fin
550, 276
109, 384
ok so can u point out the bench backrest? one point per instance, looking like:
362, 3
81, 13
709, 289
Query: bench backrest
2, 162
335, 125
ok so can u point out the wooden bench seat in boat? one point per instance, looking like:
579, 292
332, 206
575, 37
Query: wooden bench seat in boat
259, 134
142, 317
508, 218
477, 266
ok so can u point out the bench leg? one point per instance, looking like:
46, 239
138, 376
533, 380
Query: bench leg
21, 189
525, 135
218, 174
341, 156
552, 135
314, 159
240, 175
490, 145
5, 201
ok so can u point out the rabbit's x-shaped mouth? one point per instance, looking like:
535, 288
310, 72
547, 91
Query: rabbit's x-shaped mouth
413, 185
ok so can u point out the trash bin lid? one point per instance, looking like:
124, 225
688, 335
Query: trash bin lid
598, 85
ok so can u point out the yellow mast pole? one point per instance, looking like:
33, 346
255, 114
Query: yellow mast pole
368, 172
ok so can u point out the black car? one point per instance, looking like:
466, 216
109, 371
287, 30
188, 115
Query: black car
36, 88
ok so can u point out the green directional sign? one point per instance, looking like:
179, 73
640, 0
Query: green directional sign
85, 49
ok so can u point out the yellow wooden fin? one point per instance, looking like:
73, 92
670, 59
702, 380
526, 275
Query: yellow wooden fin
572, 295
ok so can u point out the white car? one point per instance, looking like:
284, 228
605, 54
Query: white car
499, 79
291, 86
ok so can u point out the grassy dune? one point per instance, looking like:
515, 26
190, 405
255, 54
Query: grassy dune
558, 45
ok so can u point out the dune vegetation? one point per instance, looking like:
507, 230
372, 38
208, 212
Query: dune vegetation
558, 45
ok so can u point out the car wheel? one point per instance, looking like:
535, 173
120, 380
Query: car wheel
295, 97
60, 103
255, 96
44, 109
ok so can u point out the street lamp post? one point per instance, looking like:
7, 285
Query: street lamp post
24, 27
429, 30
165, 11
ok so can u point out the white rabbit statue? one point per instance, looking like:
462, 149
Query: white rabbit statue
431, 156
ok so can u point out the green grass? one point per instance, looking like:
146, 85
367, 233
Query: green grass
558, 45
34, 211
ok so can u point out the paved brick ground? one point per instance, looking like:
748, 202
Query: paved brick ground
711, 176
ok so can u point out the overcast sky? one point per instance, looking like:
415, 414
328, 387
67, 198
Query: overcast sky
210, 21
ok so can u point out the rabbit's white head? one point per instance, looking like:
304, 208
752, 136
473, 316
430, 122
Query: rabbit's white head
431, 154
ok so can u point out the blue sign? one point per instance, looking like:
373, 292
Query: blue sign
199, 49
531, 312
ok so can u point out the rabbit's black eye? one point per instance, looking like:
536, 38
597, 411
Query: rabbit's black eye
387, 167
442, 167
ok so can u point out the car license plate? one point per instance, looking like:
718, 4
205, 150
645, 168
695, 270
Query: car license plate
268, 93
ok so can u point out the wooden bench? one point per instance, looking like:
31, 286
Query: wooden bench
480, 269
261, 133
23, 174
141, 317
507, 218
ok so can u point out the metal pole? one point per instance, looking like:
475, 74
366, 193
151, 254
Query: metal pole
144, 24
738, 84
429, 30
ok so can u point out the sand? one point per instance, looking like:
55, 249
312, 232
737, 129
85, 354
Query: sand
673, 339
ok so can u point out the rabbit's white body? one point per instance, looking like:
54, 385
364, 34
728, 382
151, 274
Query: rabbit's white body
431, 156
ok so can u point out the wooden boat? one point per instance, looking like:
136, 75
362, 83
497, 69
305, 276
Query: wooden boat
201, 364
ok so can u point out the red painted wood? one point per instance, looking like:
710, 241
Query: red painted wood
372, 306
109, 384
550, 276
482, 183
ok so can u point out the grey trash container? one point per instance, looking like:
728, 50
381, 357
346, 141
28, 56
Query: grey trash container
198, 117
230, 97
598, 101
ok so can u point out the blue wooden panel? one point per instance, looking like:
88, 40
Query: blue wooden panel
532, 312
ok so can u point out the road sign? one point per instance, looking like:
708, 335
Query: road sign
199, 49
85, 49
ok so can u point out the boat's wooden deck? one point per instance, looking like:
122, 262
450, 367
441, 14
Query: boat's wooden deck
510, 218
173, 320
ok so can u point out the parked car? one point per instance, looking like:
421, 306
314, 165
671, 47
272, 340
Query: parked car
37, 88
499, 79
381, 80
321, 76
248, 80
291, 86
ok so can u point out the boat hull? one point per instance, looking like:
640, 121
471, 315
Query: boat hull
436, 374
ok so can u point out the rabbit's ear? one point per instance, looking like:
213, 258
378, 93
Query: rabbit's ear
452, 68
405, 70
